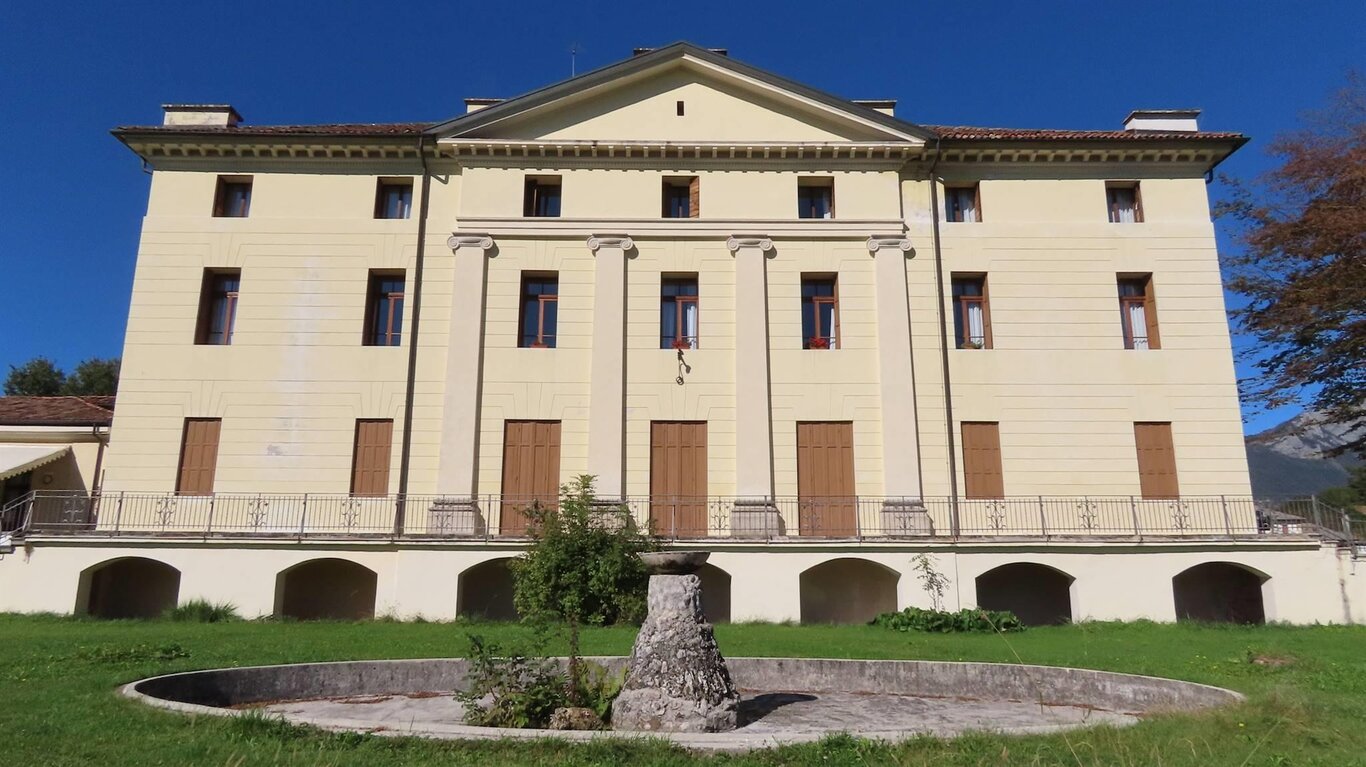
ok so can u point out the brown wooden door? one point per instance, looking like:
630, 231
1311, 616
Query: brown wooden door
198, 456
678, 479
982, 477
825, 479
370, 458
531, 471
1156, 460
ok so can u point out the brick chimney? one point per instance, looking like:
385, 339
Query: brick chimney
200, 114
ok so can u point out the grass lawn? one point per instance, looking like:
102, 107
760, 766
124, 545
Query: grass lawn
58, 704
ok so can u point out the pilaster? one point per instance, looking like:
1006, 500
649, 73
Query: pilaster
455, 479
607, 395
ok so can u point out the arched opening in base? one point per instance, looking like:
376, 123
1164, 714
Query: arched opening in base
847, 591
715, 593
1220, 592
485, 591
326, 589
1037, 594
132, 587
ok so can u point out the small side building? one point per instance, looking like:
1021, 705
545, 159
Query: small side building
51, 444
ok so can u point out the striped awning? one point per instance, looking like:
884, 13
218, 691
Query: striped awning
15, 459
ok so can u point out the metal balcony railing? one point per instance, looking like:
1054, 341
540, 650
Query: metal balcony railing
790, 519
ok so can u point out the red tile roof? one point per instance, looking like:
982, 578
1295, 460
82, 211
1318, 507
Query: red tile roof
966, 132
952, 132
334, 129
56, 411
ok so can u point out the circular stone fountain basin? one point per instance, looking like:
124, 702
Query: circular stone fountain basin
785, 700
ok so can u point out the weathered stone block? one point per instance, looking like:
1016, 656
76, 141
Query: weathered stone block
676, 680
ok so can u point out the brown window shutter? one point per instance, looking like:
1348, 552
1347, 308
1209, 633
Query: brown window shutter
531, 470
370, 460
694, 197
982, 460
678, 478
1156, 460
198, 456
825, 479
1150, 313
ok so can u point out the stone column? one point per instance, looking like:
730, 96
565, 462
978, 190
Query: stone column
607, 394
903, 512
457, 512
755, 514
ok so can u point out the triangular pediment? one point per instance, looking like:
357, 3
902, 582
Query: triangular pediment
722, 101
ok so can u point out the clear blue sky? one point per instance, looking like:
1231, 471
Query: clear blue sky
71, 210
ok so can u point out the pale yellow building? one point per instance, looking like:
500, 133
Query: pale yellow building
797, 330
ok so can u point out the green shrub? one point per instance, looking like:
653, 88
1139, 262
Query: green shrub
202, 611
597, 688
510, 689
583, 564
945, 622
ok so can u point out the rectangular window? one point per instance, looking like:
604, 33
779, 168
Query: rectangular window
982, 476
542, 197
370, 457
820, 312
540, 293
1156, 460
971, 314
394, 198
963, 204
681, 197
1126, 206
233, 197
1138, 312
816, 197
218, 306
678, 313
198, 456
384, 309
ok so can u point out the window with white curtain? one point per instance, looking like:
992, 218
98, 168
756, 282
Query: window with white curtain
678, 312
962, 204
971, 316
1138, 312
1123, 199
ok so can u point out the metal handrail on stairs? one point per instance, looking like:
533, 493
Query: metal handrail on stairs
16, 515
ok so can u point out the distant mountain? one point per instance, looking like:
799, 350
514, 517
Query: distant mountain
1292, 458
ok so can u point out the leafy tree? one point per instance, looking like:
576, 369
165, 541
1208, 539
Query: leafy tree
93, 376
582, 566
1303, 267
38, 377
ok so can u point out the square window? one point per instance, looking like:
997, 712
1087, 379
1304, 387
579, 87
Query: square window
678, 312
681, 197
820, 312
1126, 206
541, 198
384, 309
963, 204
816, 197
540, 310
394, 198
218, 306
232, 199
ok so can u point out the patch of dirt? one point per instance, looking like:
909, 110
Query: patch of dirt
424, 695
361, 701
1272, 661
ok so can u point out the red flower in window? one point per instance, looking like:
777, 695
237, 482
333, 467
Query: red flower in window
818, 342
682, 343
